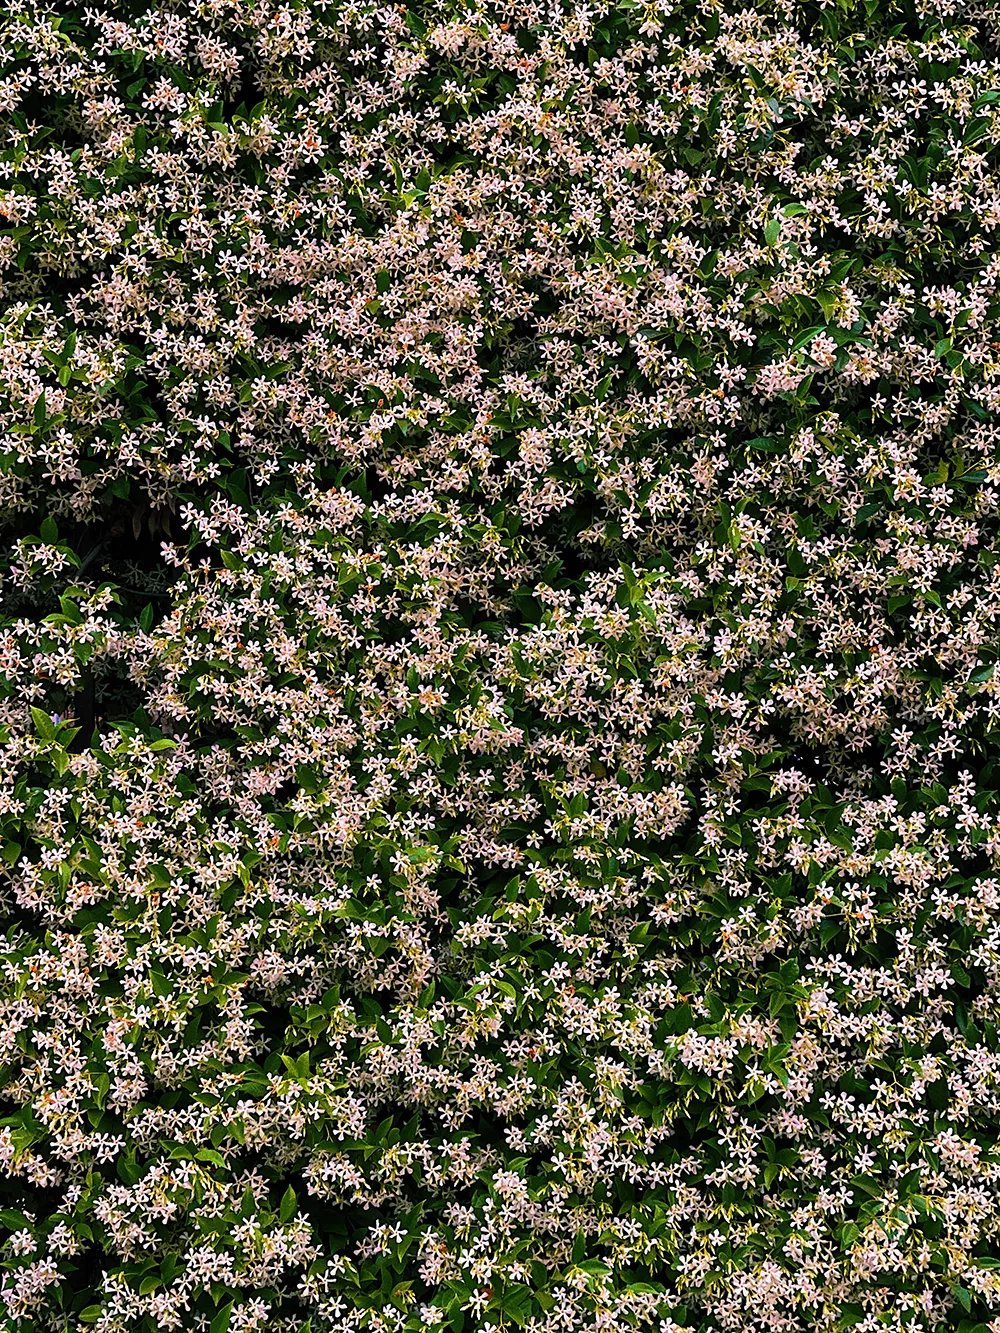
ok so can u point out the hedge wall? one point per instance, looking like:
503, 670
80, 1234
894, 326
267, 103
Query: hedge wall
498, 624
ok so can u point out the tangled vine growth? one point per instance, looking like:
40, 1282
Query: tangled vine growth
499, 625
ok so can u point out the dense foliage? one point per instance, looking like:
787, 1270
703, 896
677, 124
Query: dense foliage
499, 610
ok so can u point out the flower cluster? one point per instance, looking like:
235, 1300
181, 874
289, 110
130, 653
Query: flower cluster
499, 689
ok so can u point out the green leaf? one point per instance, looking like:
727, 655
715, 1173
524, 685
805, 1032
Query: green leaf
288, 1205
210, 1155
938, 1094
805, 336
869, 1184
220, 1324
850, 1315
827, 302
128, 1169
43, 724
516, 1304
161, 986
772, 231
